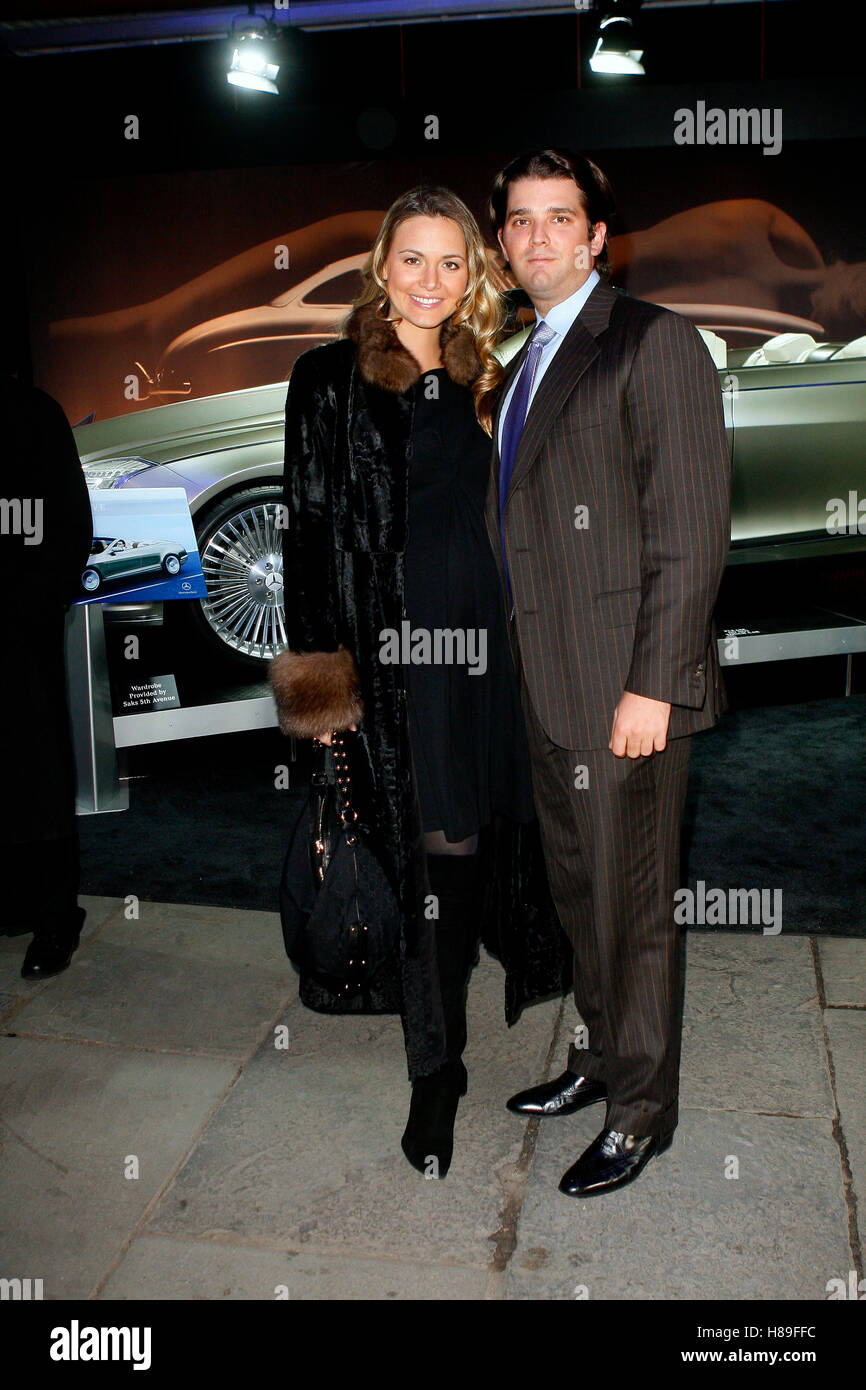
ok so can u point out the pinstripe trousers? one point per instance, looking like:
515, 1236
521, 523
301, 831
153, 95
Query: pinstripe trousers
610, 830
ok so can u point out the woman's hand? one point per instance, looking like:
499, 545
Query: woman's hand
327, 739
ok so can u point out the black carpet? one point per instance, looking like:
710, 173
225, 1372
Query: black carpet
777, 799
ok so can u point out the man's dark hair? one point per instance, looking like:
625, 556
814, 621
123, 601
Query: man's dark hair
596, 195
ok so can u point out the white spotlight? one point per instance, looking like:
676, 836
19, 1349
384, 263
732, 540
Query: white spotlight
614, 51
253, 52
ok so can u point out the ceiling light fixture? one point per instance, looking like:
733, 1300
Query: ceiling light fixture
254, 43
616, 50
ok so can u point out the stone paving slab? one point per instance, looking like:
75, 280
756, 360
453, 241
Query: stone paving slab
12, 949
199, 1269
752, 1033
306, 1150
180, 979
297, 1167
71, 1117
846, 1030
843, 966
683, 1229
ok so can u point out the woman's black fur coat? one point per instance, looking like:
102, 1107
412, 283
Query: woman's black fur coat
347, 453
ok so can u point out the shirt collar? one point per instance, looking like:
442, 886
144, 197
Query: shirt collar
562, 315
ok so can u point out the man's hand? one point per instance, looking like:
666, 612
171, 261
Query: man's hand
640, 726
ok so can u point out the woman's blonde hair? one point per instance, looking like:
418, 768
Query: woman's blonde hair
480, 307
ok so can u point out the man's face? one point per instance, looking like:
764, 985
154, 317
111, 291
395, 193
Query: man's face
546, 239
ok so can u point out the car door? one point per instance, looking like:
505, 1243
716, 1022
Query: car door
798, 443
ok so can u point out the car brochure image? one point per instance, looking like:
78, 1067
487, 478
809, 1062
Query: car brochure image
144, 547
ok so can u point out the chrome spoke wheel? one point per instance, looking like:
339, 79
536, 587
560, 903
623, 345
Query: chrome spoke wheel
242, 561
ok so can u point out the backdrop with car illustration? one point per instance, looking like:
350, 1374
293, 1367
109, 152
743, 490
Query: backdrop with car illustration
181, 301
184, 285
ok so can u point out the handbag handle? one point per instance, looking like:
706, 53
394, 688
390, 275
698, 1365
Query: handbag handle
359, 930
348, 814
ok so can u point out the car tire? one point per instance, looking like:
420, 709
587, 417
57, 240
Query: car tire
171, 565
91, 581
240, 545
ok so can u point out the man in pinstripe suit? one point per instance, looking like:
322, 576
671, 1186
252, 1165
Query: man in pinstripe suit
609, 511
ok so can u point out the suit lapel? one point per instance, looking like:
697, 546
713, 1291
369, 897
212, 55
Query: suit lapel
577, 351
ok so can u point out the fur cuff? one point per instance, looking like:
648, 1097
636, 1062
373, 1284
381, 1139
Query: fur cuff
316, 692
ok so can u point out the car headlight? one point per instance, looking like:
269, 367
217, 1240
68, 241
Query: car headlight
107, 473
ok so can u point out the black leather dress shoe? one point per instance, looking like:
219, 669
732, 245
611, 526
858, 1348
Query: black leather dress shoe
47, 956
560, 1097
612, 1160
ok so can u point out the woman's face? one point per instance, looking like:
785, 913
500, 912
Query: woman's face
426, 272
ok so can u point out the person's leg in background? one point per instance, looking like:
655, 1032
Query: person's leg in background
39, 854
40, 895
52, 869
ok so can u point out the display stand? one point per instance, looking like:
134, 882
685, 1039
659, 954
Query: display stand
97, 787
97, 735
252, 709
818, 632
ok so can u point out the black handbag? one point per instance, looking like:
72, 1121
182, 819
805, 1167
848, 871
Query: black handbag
340, 917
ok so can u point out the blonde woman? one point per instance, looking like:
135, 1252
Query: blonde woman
395, 620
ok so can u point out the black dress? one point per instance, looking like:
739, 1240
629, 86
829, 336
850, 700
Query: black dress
466, 730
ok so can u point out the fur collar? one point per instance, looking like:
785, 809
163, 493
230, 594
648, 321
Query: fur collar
384, 361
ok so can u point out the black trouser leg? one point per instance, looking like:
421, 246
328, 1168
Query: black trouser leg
40, 880
612, 853
61, 917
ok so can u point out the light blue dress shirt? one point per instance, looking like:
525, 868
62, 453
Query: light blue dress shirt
559, 318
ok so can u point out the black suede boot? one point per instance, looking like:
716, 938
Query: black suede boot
428, 1141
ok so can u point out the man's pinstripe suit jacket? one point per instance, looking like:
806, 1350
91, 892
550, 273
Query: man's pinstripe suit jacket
627, 423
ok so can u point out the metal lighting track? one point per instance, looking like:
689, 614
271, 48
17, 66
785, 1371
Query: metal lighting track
27, 37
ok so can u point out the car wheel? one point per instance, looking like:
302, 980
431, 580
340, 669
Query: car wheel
91, 580
171, 564
241, 549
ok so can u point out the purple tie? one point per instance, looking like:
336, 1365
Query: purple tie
513, 427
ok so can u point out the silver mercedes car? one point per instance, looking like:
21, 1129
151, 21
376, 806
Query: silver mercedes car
795, 409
